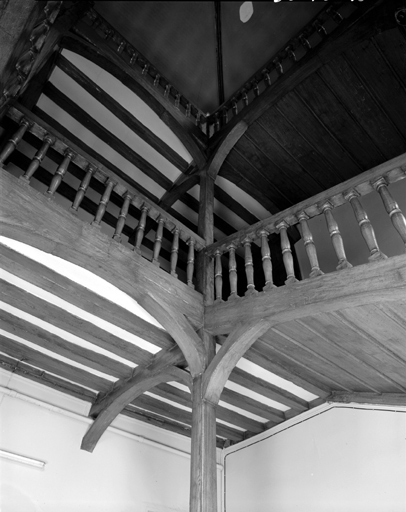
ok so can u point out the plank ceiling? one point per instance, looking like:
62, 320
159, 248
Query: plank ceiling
343, 119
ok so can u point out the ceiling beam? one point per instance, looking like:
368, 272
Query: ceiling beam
81, 297
121, 113
342, 397
59, 368
18, 367
47, 312
97, 52
364, 284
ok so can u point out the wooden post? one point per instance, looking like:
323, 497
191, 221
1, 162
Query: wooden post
203, 492
175, 251
218, 277
14, 141
266, 260
83, 187
60, 173
249, 267
367, 230
232, 268
335, 235
121, 218
392, 207
309, 245
286, 252
190, 262
158, 241
39, 156
141, 228
103, 203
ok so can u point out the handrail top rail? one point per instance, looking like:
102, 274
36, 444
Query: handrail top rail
392, 170
40, 129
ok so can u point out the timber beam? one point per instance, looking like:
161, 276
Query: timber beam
370, 283
344, 397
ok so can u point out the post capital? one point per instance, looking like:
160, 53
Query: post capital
351, 194
379, 182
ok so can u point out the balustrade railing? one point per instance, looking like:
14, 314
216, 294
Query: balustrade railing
351, 191
95, 170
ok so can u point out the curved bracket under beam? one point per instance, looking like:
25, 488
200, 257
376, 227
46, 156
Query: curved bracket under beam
237, 343
224, 147
180, 329
111, 406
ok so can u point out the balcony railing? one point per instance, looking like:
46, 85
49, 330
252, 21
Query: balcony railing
374, 180
111, 182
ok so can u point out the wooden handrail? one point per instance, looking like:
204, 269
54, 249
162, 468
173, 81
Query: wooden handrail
94, 169
376, 179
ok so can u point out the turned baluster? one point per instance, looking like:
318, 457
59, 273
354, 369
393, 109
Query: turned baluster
266, 260
365, 225
177, 101
286, 252
216, 122
245, 97
224, 116
80, 194
267, 77
309, 245
39, 156
235, 107
232, 269
14, 141
121, 218
188, 109
249, 267
190, 263
392, 207
335, 236
156, 80
175, 251
256, 89
218, 276
141, 228
103, 203
167, 91
158, 241
60, 173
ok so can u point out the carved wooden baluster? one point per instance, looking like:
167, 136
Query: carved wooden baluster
39, 156
188, 109
286, 252
121, 218
232, 268
392, 207
218, 276
103, 203
60, 172
249, 267
158, 241
309, 245
14, 141
245, 97
267, 77
175, 251
365, 225
80, 194
235, 107
156, 80
335, 235
141, 228
256, 89
177, 101
190, 263
266, 260
224, 114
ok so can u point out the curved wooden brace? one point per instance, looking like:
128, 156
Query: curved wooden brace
114, 403
237, 343
224, 147
191, 140
182, 185
176, 324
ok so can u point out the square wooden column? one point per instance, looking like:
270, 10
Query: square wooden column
203, 473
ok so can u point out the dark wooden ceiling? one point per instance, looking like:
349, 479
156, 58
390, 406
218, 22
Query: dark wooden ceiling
179, 38
348, 116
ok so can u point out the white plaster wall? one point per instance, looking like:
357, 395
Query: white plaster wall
342, 460
121, 475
